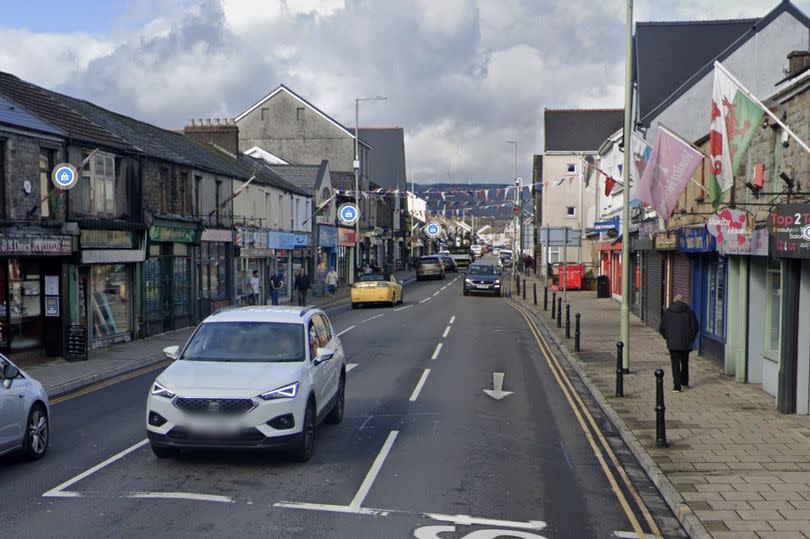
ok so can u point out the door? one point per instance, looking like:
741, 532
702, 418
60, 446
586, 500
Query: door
320, 373
167, 285
12, 418
333, 365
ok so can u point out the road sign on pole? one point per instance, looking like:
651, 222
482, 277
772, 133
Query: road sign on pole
348, 213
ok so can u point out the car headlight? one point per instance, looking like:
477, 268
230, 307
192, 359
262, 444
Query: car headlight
382, 285
286, 392
159, 390
468, 281
497, 281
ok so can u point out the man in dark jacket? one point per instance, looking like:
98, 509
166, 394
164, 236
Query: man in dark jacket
679, 326
301, 285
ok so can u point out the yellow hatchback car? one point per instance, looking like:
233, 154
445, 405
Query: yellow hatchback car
376, 288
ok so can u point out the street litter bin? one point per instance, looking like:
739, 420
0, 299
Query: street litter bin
602, 287
573, 276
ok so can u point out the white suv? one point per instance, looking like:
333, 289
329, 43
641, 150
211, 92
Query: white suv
24, 413
251, 377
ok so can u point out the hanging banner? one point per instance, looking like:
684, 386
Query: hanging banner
789, 226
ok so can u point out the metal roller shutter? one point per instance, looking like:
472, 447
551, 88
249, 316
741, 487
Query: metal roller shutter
654, 288
681, 275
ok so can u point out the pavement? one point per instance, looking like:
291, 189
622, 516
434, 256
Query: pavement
430, 447
734, 468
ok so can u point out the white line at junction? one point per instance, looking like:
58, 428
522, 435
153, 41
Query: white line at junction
362, 492
350, 366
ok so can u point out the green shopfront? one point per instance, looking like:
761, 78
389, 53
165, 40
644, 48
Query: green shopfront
167, 277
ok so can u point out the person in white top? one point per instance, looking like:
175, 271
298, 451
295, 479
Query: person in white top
255, 285
331, 281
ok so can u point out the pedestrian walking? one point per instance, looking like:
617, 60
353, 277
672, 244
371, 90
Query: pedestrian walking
276, 286
301, 285
255, 287
331, 281
679, 326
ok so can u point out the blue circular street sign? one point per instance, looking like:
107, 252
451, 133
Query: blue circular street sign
433, 230
64, 176
348, 213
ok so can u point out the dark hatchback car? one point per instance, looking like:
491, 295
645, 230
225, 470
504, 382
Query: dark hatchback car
482, 278
449, 263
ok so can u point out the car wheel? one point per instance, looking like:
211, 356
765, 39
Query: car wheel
164, 452
336, 414
37, 433
402, 298
304, 450
354, 305
466, 293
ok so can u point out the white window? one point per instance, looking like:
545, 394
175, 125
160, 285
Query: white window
572, 168
773, 310
98, 178
570, 211
554, 255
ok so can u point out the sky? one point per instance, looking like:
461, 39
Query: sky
462, 77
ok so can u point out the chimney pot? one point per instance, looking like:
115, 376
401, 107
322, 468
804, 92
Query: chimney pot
797, 60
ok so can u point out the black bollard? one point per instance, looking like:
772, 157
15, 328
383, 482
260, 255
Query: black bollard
660, 420
559, 312
517, 282
576, 333
567, 320
619, 370
534, 293
545, 298
553, 305
524, 289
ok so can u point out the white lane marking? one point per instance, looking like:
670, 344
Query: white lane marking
350, 366
180, 496
372, 318
446, 332
403, 308
632, 535
452, 319
436, 351
435, 293
362, 492
424, 300
418, 388
466, 520
434, 532
333, 508
348, 329
59, 491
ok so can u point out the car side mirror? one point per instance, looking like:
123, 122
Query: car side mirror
171, 352
10, 372
323, 355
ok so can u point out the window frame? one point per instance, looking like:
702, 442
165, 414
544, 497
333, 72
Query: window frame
767, 352
571, 168
569, 214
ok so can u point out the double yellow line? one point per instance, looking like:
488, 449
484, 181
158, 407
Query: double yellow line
601, 447
108, 383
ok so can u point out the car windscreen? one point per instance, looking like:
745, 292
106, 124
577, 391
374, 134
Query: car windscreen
372, 277
257, 342
429, 260
481, 270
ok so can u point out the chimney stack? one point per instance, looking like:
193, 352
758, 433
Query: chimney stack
797, 61
219, 132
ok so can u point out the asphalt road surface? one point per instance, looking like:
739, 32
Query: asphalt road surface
423, 450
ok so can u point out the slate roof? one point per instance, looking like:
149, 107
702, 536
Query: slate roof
14, 115
39, 102
671, 57
580, 130
341, 180
307, 177
387, 159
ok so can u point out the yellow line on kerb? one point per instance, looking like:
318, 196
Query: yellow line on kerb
107, 383
568, 389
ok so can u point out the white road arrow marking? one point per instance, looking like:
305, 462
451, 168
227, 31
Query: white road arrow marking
497, 392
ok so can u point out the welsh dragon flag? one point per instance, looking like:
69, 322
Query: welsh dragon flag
735, 118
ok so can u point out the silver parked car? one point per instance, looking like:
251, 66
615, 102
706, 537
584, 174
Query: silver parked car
24, 413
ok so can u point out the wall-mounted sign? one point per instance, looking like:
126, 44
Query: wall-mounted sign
64, 176
287, 240
113, 239
176, 234
219, 235
789, 226
755, 245
732, 228
346, 237
250, 237
348, 213
51, 306
665, 242
607, 226
695, 240
35, 245
327, 236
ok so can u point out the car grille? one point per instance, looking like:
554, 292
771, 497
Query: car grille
482, 282
245, 437
214, 406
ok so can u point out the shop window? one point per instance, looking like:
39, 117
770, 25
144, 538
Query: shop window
25, 302
773, 310
716, 298
213, 270
109, 301
152, 296
182, 286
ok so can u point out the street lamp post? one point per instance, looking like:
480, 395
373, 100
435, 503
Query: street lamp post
516, 231
357, 173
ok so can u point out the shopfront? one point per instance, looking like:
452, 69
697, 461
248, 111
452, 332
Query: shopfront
103, 285
292, 250
345, 254
31, 299
167, 277
253, 255
214, 271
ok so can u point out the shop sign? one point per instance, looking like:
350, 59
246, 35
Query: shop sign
789, 226
114, 239
346, 237
647, 228
756, 244
327, 236
287, 240
218, 235
732, 228
695, 240
607, 226
250, 237
174, 234
255, 252
665, 242
35, 245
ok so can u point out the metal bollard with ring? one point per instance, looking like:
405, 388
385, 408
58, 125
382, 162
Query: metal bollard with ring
660, 420
619, 370
576, 333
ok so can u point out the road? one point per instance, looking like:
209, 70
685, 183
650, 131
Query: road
423, 451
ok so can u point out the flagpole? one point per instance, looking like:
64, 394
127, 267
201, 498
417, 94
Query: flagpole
627, 134
581, 234
767, 111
